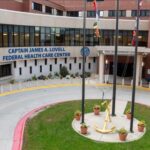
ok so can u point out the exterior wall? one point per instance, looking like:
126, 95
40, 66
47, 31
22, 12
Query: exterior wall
13, 5
45, 3
7, 17
55, 67
74, 5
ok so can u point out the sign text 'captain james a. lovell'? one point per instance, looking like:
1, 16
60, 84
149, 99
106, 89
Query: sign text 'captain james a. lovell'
34, 53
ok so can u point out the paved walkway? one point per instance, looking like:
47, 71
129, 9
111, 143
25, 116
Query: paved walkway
95, 127
14, 106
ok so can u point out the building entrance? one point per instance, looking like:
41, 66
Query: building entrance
5, 70
124, 70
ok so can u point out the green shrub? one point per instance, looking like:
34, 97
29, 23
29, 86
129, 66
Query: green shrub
50, 76
63, 71
86, 75
12, 81
122, 131
34, 78
56, 74
77, 74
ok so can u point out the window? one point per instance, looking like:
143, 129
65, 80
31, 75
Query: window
31, 36
45, 61
10, 36
30, 70
5, 36
75, 60
70, 66
79, 66
111, 13
21, 35
48, 10
15, 64
134, 13
121, 13
50, 67
65, 60
72, 33
73, 13
77, 37
60, 66
37, 36
94, 59
25, 63
47, 36
37, 6
91, 14
144, 13
20, 71
35, 62
59, 36
5, 70
52, 36
40, 68
59, 13
55, 60
27, 36
16, 36
89, 66
42, 34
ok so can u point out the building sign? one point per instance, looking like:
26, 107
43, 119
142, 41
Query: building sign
86, 51
13, 54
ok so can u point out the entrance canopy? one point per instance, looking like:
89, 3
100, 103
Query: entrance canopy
122, 50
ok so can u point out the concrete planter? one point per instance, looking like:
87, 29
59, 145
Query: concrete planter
96, 111
128, 116
141, 128
77, 117
83, 130
122, 137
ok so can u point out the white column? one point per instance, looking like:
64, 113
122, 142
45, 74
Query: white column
64, 13
101, 68
128, 13
80, 13
54, 11
43, 8
106, 13
138, 69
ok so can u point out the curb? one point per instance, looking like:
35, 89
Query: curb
19, 129
66, 85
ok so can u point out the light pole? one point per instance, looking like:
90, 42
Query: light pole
115, 59
107, 71
134, 69
83, 63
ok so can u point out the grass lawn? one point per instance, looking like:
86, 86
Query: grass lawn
52, 130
